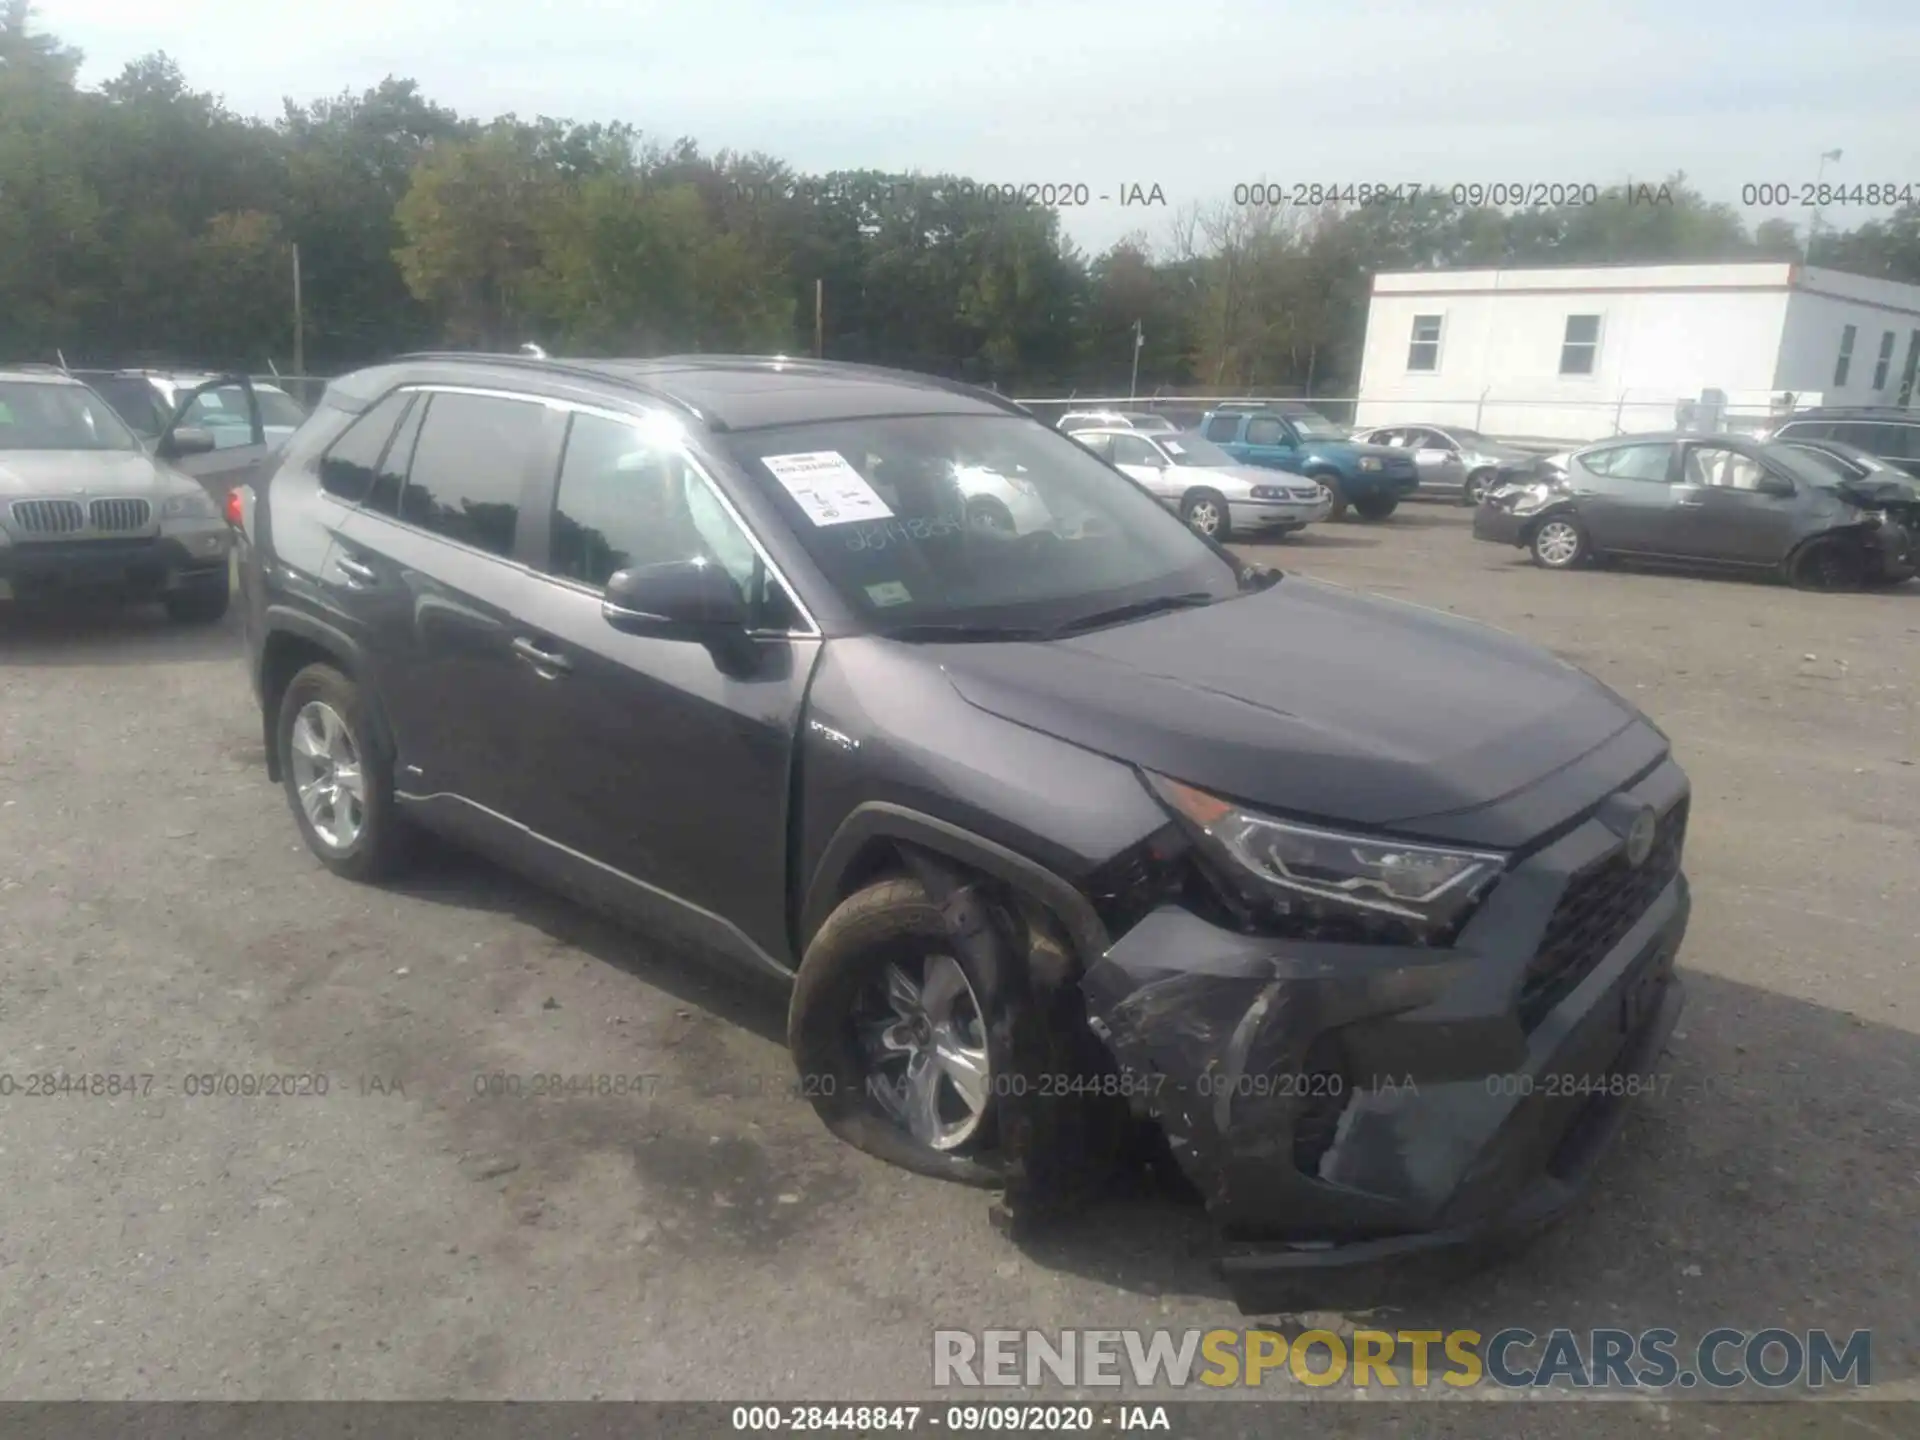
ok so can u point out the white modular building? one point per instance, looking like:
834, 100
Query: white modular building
1583, 352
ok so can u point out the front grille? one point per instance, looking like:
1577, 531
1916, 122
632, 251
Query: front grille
120, 516
1599, 906
48, 517
1304, 492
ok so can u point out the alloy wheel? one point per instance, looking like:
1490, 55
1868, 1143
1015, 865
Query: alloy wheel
1557, 543
924, 1040
1204, 516
328, 776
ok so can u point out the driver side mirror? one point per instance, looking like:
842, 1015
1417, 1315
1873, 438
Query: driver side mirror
678, 600
1771, 484
186, 440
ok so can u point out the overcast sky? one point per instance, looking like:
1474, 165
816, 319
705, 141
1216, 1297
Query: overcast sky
1192, 97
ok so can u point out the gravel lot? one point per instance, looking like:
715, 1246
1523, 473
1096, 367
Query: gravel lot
403, 1236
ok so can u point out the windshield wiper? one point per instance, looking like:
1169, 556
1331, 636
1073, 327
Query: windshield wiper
935, 631
1135, 610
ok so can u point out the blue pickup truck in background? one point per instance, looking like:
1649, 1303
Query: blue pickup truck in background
1371, 479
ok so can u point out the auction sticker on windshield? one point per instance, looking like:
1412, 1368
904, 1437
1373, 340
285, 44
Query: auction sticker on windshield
829, 490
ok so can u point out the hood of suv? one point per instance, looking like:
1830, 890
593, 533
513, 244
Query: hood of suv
1324, 704
69, 472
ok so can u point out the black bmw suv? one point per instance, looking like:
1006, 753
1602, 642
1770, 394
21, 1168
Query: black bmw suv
1060, 835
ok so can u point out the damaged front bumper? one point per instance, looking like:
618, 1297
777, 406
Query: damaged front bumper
1350, 1110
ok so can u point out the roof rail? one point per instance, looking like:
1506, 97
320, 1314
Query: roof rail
840, 367
558, 367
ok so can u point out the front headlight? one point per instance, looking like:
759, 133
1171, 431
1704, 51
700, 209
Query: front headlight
1328, 885
188, 505
1369, 462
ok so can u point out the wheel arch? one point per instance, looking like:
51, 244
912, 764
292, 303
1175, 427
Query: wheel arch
292, 641
876, 840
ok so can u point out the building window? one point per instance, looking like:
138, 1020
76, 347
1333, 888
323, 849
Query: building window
1846, 356
1886, 359
1580, 344
1423, 352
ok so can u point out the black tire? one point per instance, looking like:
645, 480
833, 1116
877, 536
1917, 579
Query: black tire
986, 513
1827, 563
1549, 547
1375, 508
383, 842
1210, 506
1336, 490
1478, 483
198, 604
891, 920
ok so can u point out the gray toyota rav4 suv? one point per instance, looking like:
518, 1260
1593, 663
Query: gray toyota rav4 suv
1069, 843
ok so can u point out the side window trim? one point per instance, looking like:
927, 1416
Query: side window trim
540, 565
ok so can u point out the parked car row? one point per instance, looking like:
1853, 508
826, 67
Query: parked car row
1220, 475
1824, 514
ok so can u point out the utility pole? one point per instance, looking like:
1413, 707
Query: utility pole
1139, 339
299, 323
1813, 225
819, 320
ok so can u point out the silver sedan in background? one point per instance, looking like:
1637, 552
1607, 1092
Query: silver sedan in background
1454, 461
1210, 490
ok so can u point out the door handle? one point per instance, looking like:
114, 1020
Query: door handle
357, 573
1691, 504
549, 663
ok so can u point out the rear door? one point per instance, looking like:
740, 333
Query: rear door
1626, 497
664, 762
1725, 516
432, 565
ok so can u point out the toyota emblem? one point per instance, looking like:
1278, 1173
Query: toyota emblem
1640, 837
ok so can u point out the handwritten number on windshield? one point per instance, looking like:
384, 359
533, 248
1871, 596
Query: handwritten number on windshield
883, 533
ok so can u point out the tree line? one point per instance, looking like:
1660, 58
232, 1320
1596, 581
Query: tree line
143, 222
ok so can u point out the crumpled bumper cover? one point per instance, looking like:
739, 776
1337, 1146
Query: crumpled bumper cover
1346, 1110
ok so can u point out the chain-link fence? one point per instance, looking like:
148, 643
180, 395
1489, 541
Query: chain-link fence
1544, 422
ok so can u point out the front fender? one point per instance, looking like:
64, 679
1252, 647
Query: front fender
879, 820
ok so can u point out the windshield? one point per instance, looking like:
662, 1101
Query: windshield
1804, 465
973, 520
1314, 427
35, 416
1467, 437
1156, 423
1193, 448
1836, 467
